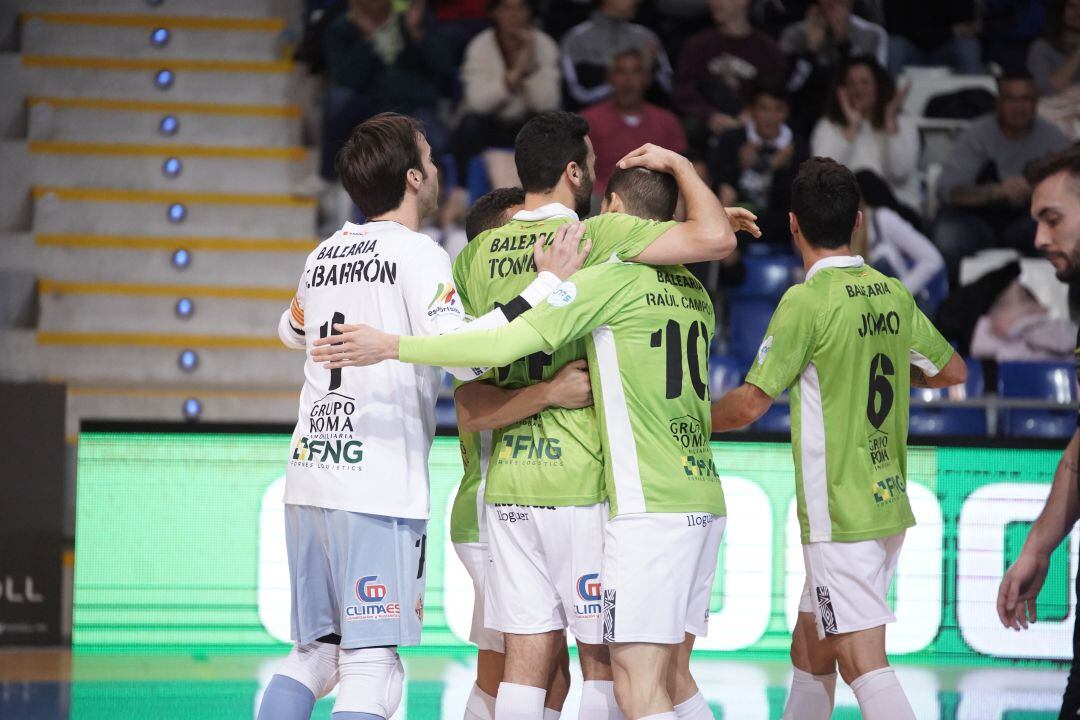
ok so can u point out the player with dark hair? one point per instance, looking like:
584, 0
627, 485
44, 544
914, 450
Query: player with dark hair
356, 485
848, 343
643, 193
1055, 205
568, 388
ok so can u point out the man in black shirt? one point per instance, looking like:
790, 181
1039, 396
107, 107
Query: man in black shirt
1055, 206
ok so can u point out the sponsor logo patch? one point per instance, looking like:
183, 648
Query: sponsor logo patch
563, 295
588, 592
372, 601
763, 351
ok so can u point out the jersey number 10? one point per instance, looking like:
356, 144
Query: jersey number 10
669, 338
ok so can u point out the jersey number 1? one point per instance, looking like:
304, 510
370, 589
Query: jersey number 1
669, 337
327, 328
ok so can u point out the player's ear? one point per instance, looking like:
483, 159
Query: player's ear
414, 178
858, 222
614, 203
793, 224
573, 173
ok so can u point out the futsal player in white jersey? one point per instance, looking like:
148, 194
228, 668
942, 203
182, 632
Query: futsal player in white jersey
356, 486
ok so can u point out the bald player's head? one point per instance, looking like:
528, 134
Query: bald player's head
493, 210
643, 193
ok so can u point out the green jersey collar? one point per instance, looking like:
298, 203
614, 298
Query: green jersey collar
836, 261
546, 212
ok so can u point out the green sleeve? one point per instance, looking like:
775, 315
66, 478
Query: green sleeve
621, 235
587, 300
930, 351
500, 346
788, 345
461, 274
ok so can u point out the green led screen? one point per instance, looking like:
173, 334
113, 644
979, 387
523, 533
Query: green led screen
180, 546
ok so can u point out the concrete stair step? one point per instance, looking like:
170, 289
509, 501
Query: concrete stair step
151, 35
145, 167
232, 8
128, 307
146, 359
192, 80
220, 262
270, 405
104, 120
113, 211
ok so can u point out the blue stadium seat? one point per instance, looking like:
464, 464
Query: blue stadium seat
935, 292
767, 277
936, 420
450, 171
476, 179
975, 387
776, 419
1045, 381
725, 374
445, 414
748, 320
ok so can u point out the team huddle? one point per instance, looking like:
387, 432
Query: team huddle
580, 351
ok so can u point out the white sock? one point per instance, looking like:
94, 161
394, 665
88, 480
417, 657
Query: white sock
552, 714
519, 702
811, 696
661, 716
694, 709
480, 706
598, 701
881, 697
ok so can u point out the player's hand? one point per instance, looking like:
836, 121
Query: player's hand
356, 346
654, 157
565, 254
570, 387
742, 219
1019, 591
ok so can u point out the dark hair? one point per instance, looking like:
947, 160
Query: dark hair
374, 160
766, 90
546, 145
885, 91
1067, 160
490, 210
493, 5
877, 193
825, 200
646, 194
1015, 75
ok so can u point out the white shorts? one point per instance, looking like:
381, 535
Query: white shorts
545, 569
475, 558
658, 575
847, 584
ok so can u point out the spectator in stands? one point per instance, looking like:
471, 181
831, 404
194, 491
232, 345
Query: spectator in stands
719, 65
933, 32
1008, 29
1054, 59
754, 165
587, 50
982, 188
459, 21
510, 73
381, 60
864, 130
890, 242
829, 35
625, 121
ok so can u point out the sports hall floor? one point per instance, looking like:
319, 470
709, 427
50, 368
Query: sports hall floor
54, 685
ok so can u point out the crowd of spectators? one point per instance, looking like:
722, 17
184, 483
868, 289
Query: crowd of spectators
747, 88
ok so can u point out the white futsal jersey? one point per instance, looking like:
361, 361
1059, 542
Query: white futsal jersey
363, 434
362, 438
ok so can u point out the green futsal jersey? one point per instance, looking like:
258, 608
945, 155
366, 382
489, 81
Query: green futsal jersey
844, 341
648, 331
553, 458
467, 513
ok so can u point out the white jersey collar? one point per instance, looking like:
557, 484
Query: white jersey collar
546, 212
836, 261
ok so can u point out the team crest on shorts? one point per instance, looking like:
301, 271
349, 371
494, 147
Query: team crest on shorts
825, 610
609, 615
419, 608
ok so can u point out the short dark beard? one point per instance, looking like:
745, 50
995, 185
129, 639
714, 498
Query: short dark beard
583, 198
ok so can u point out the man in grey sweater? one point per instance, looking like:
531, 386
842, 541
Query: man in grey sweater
982, 189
